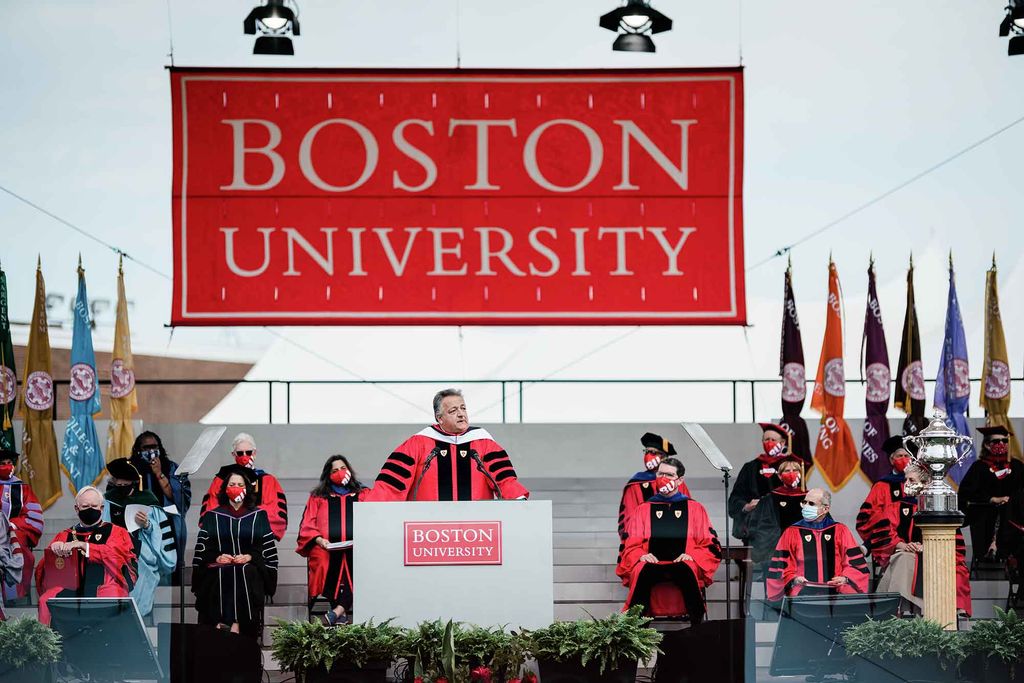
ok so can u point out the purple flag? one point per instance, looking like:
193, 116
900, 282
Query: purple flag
794, 381
873, 460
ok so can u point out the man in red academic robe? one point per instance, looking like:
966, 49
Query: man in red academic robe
448, 461
640, 487
22, 508
671, 551
817, 555
102, 553
881, 506
269, 493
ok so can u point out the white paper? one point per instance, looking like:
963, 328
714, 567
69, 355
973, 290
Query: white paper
200, 450
340, 545
129, 516
171, 509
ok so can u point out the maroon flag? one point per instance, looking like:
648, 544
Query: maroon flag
873, 461
794, 382
910, 396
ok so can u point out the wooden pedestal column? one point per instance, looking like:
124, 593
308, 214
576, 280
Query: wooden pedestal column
939, 540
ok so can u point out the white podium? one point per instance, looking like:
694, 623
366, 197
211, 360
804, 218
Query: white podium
487, 563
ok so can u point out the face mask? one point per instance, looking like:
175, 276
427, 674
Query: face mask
243, 460
149, 455
912, 488
235, 493
666, 486
90, 516
999, 449
790, 478
340, 477
809, 512
773, 448
900, 462
651, 461
6, 471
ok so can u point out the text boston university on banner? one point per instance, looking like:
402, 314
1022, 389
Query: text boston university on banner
458, 197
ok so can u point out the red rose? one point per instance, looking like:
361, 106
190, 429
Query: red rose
530, 678
418, 679
481, 673
441, 680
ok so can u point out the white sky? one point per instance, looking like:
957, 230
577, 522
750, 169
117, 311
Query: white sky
843, 102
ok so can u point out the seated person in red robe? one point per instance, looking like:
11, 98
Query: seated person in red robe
449, 460
900, 550
101, 552
640, 487
882, 503
777, 511
671, 552
268, 491
328, 518
817, 555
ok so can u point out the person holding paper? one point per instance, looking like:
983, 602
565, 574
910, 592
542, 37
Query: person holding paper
234, 568
269, 494
449, 460
22, 508
327, 524
139, 512
159, 476
99, 552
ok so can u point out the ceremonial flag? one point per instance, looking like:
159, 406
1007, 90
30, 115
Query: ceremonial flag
873, 460
953, 383
8, 375
791, 369
80, 454
995, 375
38, 465
123, 401
910, 391
836, 452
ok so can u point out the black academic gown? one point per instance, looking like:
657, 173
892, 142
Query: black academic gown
750, 484
777, 511
989, 522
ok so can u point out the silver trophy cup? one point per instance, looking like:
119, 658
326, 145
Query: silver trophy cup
939, 449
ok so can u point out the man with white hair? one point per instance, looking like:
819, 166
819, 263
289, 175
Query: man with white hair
100, 555
269, 493
449, 460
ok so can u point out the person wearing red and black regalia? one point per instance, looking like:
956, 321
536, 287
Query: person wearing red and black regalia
22, 509
640, 486
817, 555
898, 548
756, 478
881, 507
671, 552
267, 489
777, 511
449, 460
988, 493
103, 554
329, 518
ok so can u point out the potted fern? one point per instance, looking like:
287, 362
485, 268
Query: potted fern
897, 650
595, 650
27, 649
355, 653
995, 649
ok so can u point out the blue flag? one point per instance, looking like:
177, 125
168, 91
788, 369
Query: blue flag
953, 384
80, 455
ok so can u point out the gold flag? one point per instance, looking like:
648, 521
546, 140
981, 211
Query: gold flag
123, 401
38, 465
995, 374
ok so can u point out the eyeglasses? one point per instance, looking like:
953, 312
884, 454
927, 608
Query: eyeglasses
807, 503
239, 454
652, 451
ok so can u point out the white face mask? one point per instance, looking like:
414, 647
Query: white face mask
913, 488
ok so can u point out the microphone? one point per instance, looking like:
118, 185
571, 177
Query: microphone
480, 466
426, 466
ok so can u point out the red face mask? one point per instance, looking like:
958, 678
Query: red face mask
651, 461
340, 477
243, 460
6, 471
900, 462
999, 449
235, 493
790, 478
773, 448
665, 486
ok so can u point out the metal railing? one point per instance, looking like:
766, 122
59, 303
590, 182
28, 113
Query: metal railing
513, 390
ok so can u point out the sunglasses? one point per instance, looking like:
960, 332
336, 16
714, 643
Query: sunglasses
239, 454
999, 441
805, 503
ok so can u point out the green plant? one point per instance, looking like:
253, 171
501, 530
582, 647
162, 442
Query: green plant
620, 637
905, 638
1002, 637
27, 642
300, 646
451, 650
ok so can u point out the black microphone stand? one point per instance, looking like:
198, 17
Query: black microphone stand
426, 466
728, 582
480, 466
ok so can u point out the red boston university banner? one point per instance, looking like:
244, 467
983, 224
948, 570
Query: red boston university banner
457, 197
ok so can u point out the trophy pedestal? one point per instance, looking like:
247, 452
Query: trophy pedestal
938, 535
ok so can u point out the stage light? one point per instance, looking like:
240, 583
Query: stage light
274, 21
637, 20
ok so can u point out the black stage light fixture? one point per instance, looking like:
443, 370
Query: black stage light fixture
637, 20
274, 21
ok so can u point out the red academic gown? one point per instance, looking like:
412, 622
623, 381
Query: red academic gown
445, 469
667, 530
818, 555
901, 529
26, 515
109, 571
638, 490
330, 572
878, 512
269, 494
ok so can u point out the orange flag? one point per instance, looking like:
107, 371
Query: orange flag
836, 453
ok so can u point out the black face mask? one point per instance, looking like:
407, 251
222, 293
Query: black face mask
90, 516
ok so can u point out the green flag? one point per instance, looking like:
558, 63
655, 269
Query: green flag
8, 377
